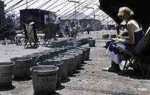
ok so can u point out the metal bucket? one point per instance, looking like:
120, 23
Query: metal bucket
58, 64
6, 69
64, 62
78, 55
75, 59
86, 53
22, 67
72, 61
44, 79
91, 43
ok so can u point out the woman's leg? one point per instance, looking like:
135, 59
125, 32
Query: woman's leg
115, 61
114, 67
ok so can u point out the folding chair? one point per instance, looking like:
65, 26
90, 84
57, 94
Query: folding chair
135, 57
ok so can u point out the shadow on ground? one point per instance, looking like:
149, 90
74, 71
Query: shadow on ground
116, 93
7, 88
65, 80
22, 79
60, 87
54, 93
133, 74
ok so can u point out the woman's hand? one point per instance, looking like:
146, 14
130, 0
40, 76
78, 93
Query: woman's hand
119, 36
119, 40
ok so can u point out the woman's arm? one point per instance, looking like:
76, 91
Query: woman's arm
131, 30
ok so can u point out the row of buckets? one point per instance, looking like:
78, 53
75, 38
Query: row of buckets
46, 70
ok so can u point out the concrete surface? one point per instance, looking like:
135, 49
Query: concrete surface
90, 79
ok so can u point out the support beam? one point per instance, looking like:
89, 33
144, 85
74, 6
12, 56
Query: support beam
75, 6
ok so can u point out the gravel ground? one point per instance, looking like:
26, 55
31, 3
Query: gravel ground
90, 79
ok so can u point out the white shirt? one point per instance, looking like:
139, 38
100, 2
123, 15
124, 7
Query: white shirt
133, 26
57, 21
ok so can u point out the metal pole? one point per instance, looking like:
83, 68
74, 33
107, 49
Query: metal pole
73, 1
26, 4
75, 17
75, 11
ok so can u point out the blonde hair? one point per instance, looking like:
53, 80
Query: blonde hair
125, 10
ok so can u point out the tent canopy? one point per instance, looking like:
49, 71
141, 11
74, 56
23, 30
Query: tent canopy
83, 9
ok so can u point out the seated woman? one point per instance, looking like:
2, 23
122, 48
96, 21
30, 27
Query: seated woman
128, 42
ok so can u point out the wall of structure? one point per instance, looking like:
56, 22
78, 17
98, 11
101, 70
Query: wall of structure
2, 20
2, 14
40, 17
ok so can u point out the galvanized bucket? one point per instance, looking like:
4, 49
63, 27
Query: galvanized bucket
6, 69
44, 79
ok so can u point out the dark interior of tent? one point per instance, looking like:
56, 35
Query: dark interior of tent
139, 7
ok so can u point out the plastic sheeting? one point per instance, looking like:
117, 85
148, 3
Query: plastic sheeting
83, 9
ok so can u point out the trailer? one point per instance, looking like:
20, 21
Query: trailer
40, 17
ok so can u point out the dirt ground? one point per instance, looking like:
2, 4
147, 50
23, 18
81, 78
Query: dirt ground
90, 79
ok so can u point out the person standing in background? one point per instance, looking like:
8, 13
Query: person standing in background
57, 25
31, 39
88, 28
